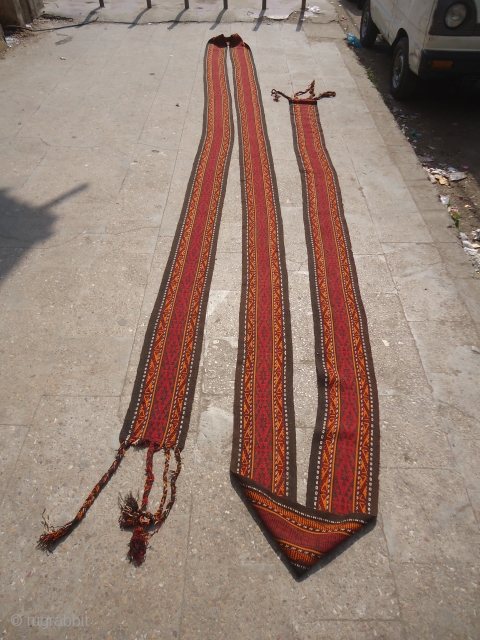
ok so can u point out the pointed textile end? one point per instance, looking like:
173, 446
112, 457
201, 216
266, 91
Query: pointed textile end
304, 535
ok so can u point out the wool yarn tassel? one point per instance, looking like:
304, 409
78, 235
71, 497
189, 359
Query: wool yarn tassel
53, 535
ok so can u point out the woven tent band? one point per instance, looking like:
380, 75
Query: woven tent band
342, 485
159, 413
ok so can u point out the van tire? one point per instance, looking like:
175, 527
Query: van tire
402, 79
368, 29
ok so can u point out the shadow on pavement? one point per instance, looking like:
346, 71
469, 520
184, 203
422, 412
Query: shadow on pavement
218, 20
177, 19
135, 22
259, 21
23, 226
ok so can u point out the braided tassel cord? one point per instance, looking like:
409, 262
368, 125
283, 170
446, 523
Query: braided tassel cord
296, 96
53, 535
138, 517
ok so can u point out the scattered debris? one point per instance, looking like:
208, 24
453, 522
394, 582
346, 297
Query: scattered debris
444, 176
445, 200
314, 9
456, 176
468, 245
475, 349
453, 211
386, 343
354, 41
471, 250
11, 40
65, 40
414, 134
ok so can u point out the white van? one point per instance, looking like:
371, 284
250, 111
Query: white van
429, 38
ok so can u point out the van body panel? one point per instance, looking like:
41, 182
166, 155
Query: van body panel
452, 43
415, 17
461, 64
382, 14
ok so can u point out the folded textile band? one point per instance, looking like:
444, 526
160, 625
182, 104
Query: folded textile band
342, 489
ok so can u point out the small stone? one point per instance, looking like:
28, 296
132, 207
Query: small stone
475, 349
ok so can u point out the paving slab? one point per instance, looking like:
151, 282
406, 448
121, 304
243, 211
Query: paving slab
136, 12
95, 156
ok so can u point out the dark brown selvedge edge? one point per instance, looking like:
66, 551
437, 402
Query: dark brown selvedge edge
291, 434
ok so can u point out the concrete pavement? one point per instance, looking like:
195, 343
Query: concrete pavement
94, 163
137, 12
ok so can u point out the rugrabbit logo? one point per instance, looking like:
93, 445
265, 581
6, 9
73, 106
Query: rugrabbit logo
45, 622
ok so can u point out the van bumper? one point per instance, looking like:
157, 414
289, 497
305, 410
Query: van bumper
464, 63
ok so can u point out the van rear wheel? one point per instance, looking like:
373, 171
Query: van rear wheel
402, 80
368, 29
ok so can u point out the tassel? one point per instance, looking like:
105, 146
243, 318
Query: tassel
138, 517
137, 548
296, 96
53, 535
130, 513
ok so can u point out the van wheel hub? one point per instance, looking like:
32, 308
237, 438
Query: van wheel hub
398, 67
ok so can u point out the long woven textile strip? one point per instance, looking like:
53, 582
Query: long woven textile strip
159, 413
343, 474
342, 483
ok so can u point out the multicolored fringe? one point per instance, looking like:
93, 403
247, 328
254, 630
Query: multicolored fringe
343, 476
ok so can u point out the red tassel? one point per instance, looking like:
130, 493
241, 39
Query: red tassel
138, 517
137, 548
